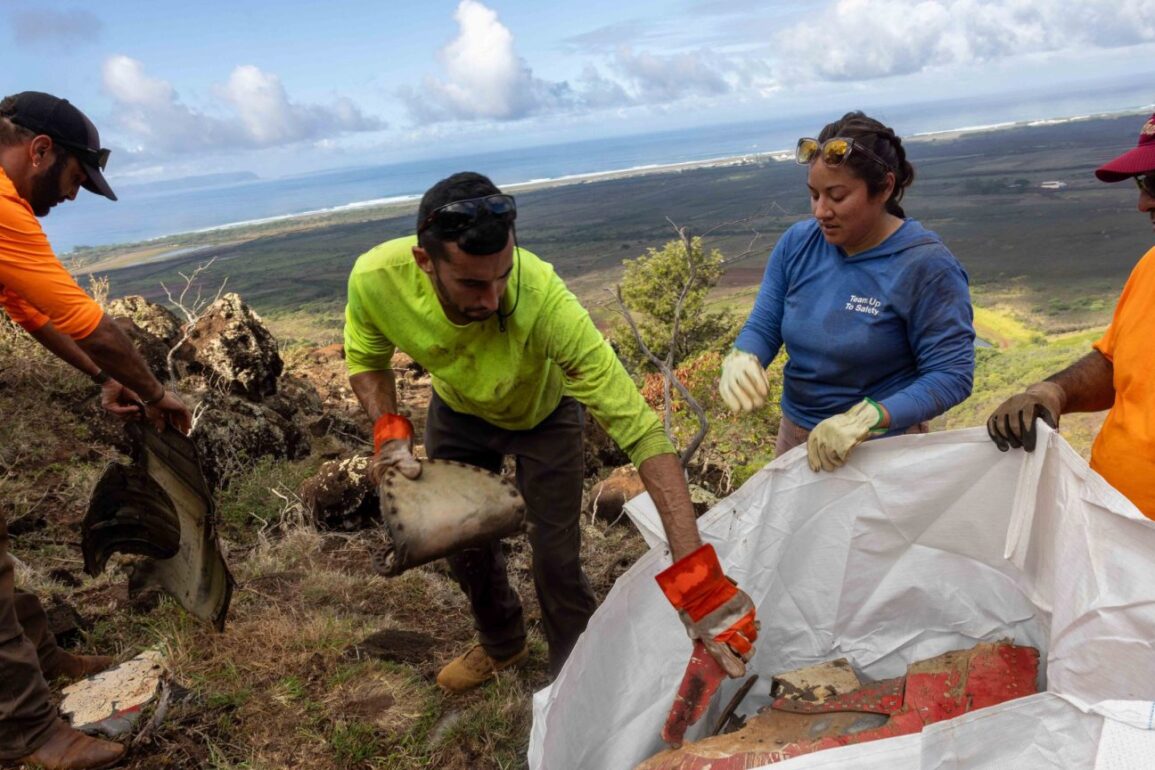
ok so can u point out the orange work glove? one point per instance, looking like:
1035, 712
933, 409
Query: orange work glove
712, 607
393, 448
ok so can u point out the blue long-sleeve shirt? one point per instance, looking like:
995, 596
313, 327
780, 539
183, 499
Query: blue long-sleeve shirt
894, 323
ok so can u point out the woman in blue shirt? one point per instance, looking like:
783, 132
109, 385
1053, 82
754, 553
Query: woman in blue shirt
873, 309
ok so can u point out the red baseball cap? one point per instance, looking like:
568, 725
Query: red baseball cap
1140, 160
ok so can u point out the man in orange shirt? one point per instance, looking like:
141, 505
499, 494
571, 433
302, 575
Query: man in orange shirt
48, 151
1116, 375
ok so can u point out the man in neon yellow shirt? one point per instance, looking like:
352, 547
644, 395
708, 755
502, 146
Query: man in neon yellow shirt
513, 355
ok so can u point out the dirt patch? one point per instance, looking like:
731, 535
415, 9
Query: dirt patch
277, 585
396, 645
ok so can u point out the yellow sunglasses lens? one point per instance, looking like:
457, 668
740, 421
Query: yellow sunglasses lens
807, 149
834, 152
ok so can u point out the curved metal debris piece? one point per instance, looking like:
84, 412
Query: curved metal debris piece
160, 507
932, 690
451, 506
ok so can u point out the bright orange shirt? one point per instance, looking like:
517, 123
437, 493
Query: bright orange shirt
1124, 450
34, 287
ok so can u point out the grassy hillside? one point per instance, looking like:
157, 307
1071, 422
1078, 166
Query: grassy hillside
293, 681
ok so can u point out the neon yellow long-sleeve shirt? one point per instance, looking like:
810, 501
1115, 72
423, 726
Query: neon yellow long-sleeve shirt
513, 379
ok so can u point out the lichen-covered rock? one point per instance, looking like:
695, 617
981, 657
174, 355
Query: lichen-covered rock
153, 349
155, 319
341, 497
295, 399
231, 346
232, 434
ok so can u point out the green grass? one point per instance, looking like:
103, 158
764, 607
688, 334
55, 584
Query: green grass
1002, 329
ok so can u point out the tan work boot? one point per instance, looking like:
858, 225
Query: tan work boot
72, 667
69, 749
474, 668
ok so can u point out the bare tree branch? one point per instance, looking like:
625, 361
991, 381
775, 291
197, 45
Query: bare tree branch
665, 365
191, 309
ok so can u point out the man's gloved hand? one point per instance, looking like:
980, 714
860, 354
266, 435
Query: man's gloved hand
713, 609
1012, 424
743, 384
832, 439
393, 448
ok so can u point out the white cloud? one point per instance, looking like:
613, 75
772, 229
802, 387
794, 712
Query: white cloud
255, 111
658, 78
865, 39
484, 78
52, 27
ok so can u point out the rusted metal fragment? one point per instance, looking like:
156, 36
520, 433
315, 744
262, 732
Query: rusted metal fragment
451, 506
884, 697
699, 683
932, 691
726, 720
814, 684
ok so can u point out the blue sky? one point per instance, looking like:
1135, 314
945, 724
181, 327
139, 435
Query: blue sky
284, 87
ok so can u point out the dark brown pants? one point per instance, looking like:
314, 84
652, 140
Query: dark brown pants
549, 476
26, 644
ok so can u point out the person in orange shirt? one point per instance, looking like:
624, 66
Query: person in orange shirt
49, 150
1116, 374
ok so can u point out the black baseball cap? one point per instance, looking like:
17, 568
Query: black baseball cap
66, 126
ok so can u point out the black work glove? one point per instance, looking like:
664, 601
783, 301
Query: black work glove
1013, 423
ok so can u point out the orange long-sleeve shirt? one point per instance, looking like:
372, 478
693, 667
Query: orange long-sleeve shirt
34, 287
1124, 450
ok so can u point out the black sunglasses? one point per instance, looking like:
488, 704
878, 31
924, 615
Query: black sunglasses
834, 151
459, 216
1145, 183
87, 156
97, 158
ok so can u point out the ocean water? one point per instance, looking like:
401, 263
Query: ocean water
149, 213
138, 216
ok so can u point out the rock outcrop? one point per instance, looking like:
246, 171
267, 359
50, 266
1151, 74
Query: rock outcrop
340, 497
230, 346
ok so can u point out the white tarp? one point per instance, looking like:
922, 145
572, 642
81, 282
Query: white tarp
919, 545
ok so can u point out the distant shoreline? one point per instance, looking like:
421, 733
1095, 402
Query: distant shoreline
177, 244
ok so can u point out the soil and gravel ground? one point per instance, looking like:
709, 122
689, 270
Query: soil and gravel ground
323, 663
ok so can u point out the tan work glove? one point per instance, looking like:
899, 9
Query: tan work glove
1012, 424
832, 439
743, 385
393, 445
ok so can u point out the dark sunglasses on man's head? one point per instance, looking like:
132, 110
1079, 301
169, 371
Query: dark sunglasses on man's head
1145, 183
833, 151
459, 216
88, 156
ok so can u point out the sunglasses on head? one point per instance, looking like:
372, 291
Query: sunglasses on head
1145, 183
95, 158
833, 151
459, 216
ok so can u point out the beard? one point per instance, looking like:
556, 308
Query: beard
47, 190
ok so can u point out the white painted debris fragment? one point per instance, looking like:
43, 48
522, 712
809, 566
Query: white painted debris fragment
109, 703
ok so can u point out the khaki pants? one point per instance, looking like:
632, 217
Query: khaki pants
549, 476
791, 434
26, 644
